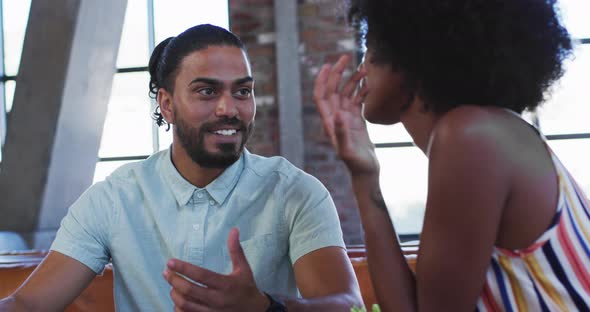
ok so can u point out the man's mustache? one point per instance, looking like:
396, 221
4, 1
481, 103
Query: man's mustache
232, 122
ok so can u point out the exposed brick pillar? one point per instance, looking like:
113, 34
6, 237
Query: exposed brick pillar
323, 36
253, 22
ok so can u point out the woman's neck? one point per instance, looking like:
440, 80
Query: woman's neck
419, 123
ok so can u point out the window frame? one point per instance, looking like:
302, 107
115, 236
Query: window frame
4, 115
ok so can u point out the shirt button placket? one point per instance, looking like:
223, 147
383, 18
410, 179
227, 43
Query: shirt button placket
197, 234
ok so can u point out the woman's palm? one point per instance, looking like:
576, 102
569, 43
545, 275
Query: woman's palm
341, 114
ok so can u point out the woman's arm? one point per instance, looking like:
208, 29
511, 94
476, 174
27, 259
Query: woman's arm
467, 190
468, 186
469, 182
392, 279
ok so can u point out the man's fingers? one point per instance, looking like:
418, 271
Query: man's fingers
186, 287
196, 273
181, 303
336, 75
236, 253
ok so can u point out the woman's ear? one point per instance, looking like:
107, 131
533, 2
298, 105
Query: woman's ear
164, 99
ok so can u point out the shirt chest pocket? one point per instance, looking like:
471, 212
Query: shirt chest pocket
264, 253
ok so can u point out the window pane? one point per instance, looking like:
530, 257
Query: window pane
388, 134
175, 16
127, 129
16, 15
9, 94
575, 16
404, 173
165, 137
2, 121
133, 50
574, 155
567, 111
105, 168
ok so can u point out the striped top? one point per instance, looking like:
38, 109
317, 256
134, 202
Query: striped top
553, 274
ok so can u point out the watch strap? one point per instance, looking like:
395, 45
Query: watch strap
276, 305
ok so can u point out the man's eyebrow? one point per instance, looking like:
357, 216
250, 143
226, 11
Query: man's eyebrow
215, 82
209, 81
243, 80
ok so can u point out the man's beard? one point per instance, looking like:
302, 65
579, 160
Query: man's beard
193, 142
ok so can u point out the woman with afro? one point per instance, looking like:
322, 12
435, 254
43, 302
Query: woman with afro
506, 227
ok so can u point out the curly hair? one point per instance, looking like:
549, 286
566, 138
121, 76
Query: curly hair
504, 53
168, 54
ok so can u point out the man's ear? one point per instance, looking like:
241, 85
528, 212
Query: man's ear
164, 99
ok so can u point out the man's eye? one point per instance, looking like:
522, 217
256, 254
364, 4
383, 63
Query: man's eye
244, 92
206, 91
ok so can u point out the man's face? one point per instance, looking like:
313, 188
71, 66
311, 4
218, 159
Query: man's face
213, 105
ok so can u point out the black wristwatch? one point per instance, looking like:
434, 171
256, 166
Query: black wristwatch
276, 305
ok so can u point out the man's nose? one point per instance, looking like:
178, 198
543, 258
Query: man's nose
226, 107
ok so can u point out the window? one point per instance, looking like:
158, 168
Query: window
13, 13
564, 119
129, 133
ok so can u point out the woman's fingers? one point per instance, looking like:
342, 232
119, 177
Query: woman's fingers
349, 92
359, 97
319, 89
334, 103
322, 104
352, 84
336, 75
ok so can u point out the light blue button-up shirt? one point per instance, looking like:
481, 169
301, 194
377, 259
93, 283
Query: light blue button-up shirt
146, 213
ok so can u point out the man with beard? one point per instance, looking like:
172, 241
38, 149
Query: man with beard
205, 225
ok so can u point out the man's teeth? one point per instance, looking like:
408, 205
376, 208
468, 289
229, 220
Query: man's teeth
226, 132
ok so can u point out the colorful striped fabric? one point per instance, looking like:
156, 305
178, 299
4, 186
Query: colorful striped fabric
553, 274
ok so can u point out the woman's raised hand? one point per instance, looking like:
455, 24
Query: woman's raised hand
340, 106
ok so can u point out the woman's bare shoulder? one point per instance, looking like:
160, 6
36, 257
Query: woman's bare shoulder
471, 124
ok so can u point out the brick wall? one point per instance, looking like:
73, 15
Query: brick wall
253, 22
323, 38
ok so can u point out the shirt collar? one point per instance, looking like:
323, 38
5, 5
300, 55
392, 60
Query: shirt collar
219, 188
223, 185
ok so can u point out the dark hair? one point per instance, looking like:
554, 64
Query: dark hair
453, 52
168, 55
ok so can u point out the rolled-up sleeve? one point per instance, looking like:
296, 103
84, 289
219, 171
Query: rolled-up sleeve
312, 217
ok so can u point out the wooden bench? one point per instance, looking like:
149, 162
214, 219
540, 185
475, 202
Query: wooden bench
358, 258
16, 267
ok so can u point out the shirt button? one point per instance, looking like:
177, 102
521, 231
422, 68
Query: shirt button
196, 227
211, 202
199, 195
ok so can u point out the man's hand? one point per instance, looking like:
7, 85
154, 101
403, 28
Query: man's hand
340, 109
216, 292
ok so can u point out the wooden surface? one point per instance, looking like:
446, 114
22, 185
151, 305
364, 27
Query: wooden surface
361, 270
16, 267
